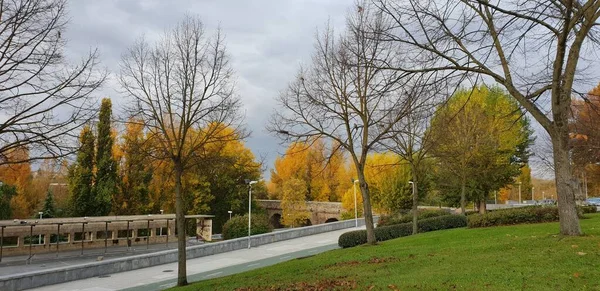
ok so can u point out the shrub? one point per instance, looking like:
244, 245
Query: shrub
533, 214
359, 237
588, 209
422, 214
237, 226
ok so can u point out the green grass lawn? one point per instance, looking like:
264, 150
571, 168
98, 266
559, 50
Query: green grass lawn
523, 257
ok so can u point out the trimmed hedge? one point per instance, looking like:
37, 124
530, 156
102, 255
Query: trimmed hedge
511, 216
422, 214
237, 226
383, 233
588, 209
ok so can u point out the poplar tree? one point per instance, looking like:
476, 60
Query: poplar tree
106, 175
81, 176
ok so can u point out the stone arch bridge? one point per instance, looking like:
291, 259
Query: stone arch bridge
320, 212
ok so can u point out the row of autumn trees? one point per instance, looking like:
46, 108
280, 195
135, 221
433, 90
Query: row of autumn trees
125, 177
116, 173
472, 146
371, 85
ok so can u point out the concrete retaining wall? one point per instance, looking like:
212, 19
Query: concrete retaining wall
95, 269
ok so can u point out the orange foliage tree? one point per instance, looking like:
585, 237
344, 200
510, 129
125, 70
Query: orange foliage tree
585, 142
25, 203
322, 171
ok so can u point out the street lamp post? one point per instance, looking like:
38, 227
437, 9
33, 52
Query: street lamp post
355, 204
160, 234
250, 183
520, 201
230, 212
40, 236
532, 197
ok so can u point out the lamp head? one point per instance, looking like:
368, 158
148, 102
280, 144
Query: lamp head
410, 182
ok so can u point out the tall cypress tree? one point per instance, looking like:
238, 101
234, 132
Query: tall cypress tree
81, 177
49, 209
106, 175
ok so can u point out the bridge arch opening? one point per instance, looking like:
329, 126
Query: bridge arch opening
275, 220
333, 219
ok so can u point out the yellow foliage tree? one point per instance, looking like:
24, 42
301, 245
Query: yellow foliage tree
387, 176
293, 203
321, 169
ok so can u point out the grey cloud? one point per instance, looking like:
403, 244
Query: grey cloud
267, 41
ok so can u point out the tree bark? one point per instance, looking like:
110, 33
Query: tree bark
482, 206
367, 212
415, 200
565, 185
180, 218
463, 195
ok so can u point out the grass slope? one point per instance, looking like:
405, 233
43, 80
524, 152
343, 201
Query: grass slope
523, 257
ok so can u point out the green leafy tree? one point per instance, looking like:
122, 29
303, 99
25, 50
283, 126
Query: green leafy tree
106, 174
7, 192
482, 141
49, 209
81, 177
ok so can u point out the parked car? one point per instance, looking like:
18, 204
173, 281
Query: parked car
593, 201
547, 202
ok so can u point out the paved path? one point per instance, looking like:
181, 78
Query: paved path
164, 276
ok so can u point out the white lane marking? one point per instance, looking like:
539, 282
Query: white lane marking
285, 257
252, 265
213, 274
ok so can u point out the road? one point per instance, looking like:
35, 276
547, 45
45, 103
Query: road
164, 276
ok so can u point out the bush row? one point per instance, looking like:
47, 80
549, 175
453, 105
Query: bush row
237, 226
383, 233
588, 209
533, 214
385, 220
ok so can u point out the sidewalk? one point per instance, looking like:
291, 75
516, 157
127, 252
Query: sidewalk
164, 276
18, 264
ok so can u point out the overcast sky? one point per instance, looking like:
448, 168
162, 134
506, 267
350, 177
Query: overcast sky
267, 41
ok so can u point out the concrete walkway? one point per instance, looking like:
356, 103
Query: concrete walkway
164, 276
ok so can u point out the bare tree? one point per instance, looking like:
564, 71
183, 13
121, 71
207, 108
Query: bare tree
530, 47
43, 100
408, 137
183, 93
343, 96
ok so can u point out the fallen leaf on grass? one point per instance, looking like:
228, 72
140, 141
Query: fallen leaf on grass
581, 253
325, 284
574, 246
393, 287
381, 260
576, 275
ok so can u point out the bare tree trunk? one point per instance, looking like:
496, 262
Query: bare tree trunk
569, 221
463, 195
415, 199
180, 218
367, 211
